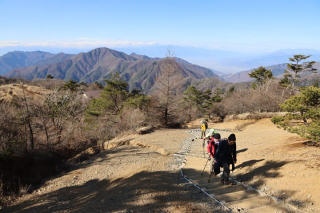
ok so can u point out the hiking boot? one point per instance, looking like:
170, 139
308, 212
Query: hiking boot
227, 182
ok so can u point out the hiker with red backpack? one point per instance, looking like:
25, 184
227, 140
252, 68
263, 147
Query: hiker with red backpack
225, 154
212, 148
212, 144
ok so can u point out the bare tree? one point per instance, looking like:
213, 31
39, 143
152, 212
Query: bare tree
27, 116
166, 84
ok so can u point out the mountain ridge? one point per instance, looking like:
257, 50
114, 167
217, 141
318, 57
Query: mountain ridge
19, 59
139, 71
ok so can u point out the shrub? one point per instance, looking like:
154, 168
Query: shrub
277, 119
118, 110
265, 98
303, 115
37, 136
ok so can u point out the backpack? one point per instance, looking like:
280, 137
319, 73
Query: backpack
203, 127
206, 124
211, 148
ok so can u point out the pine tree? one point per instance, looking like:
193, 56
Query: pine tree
261, 75
292, 73
303, 107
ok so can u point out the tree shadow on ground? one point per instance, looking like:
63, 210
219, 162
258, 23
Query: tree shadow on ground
268, 170
242, 150
248, 163
142, 192
146, 191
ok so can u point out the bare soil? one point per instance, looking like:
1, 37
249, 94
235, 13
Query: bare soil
277, 162
134, 174
132, 177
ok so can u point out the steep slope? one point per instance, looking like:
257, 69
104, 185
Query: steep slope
140, 71
20, 59
54, 59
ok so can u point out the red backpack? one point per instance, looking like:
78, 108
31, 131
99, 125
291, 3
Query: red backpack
210, 147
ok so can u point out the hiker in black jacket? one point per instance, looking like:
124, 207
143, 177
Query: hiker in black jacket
225, 155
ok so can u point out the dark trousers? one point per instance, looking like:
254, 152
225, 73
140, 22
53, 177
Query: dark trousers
226, 170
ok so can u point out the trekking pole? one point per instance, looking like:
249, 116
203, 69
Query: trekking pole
203, 143
205, 166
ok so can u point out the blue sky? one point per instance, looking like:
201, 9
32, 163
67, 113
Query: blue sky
237, 25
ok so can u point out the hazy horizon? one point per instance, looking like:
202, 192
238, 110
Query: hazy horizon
220, 35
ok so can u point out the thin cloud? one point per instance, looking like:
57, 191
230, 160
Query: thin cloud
78, 43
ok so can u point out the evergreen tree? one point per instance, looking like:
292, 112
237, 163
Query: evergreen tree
71, 85
304, 107
299, 65
115, 96
49, 76
202, 101
218, 95
261, 75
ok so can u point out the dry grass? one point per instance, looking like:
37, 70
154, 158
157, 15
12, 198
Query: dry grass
253, 116
10, 92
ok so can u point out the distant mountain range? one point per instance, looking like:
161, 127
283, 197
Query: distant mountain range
277, 71
19, 59
224, 60
139, 71
243, 76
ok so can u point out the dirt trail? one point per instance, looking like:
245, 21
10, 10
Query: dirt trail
273, 161
235, 198
140, 173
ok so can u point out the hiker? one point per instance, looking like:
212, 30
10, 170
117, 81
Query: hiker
208, 138
212, 145
203, 127
225, 155
212, 148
